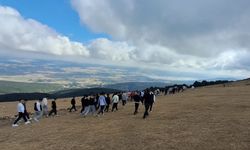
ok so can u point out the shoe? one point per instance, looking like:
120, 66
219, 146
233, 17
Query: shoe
14, 125
30, 119
27, 122
36, 119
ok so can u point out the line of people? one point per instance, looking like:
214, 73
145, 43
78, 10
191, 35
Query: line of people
91, 104
40, 108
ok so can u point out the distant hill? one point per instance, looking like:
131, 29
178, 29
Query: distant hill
7, 87
131, 86
58, 94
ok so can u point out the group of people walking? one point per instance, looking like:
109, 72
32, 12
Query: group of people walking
40, 108
91, 104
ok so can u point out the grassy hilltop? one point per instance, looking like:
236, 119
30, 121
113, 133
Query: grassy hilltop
205, 118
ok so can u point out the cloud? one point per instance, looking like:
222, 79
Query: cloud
210, 36
191, 39
106, 49
19, 33
191, 27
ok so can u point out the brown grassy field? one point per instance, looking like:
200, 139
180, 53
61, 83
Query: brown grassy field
209, 118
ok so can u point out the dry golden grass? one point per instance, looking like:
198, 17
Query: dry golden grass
209, 118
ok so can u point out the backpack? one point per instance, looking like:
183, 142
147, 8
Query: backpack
35, 108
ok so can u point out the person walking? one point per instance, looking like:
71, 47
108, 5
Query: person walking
83, 100
102, 103
20, 110
53, 106
86, 104
108, 100
115, 101
137, 100
45, 106
152, 100
124, 98
73, 103
146, 101
89, 106
25, 110
38, 110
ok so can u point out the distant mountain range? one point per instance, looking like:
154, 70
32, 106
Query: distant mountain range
7, 87
132, 86
59, 94
12, 91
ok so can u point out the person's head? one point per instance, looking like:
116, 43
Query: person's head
20, 100
25, 101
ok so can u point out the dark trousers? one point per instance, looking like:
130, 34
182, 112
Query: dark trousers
107, 108
26, 114
101, 109
53, 111
73, 107
20, 115
115, 106
136, 108
123, 102
151, 106
83, 107
146, 110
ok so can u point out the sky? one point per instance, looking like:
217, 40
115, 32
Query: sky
193, 39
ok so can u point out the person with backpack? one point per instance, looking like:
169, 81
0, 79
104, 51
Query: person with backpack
38, 110
73, 103
20, 110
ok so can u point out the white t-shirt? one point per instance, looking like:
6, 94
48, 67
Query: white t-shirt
115, 99
38, 106
20, 108
45, 102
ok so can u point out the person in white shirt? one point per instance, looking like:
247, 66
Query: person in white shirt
20, 109
115, 101
38, 110
45, 106
124, 98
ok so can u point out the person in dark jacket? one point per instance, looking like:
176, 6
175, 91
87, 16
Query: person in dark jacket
108, 101
25, 109
83, 103
137, 100
147, 102
53, 106
73, 103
